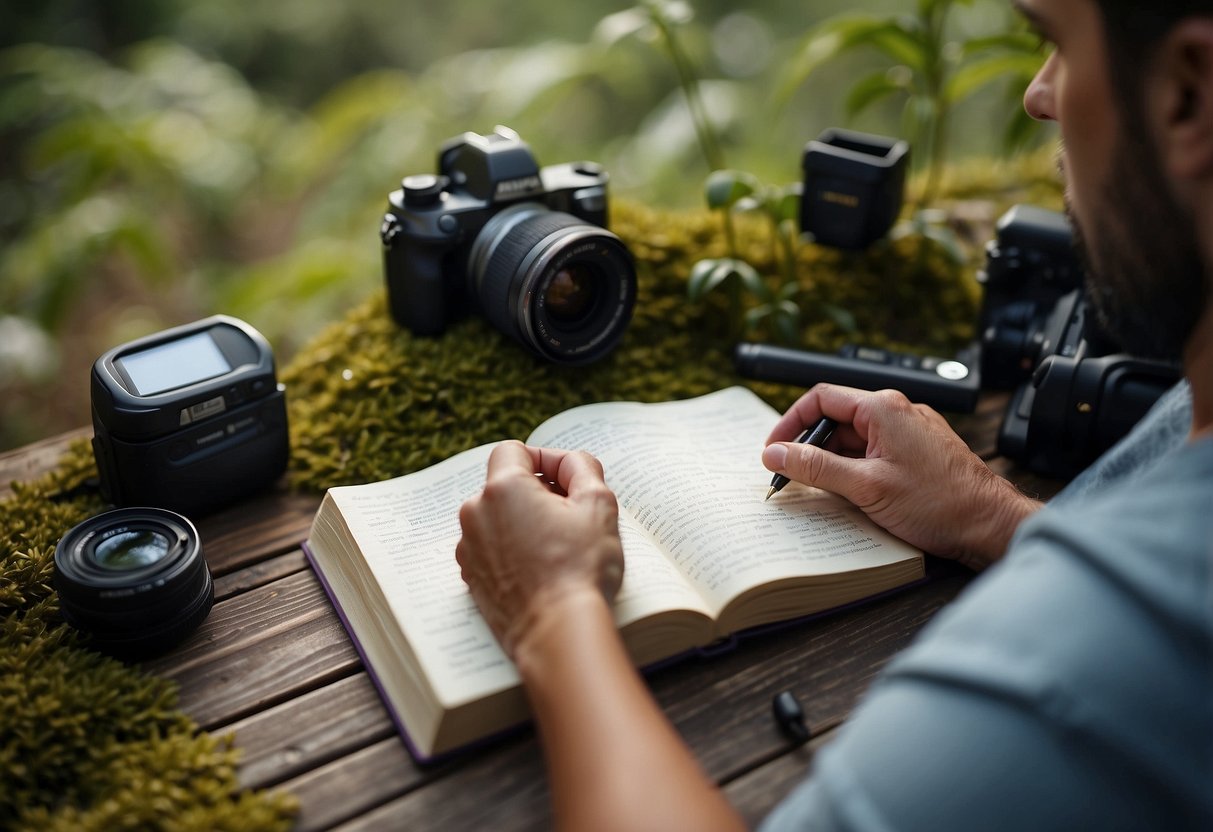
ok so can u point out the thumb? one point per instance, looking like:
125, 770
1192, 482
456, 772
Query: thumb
814, 466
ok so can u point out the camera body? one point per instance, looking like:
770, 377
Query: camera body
1030, 266
526, 247
1075, 392
189, 419
1080, 399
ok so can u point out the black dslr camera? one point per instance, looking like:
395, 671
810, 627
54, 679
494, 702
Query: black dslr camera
524, 246
1076, 393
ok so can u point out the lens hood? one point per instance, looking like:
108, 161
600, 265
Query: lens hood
135, 579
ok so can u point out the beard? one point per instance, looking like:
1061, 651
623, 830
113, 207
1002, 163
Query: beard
1145, 274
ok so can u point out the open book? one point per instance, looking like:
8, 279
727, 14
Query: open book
705, 557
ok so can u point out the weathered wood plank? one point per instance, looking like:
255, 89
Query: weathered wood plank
258, 649
262, 526
757, 792
31, 461
309, 731
345, 788
259, 574
826, 663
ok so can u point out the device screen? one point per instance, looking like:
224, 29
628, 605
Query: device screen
174, 364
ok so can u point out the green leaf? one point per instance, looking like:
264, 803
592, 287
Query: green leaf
787, 322
788, 292
706, 275
903, 44
925, 7
754, 317
724, 188
698, 281
751, 280
843, 319
970, 78
621, 25
867, 91
844, 33
1019, 41
945, 238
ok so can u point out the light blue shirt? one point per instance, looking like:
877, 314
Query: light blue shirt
1070, 686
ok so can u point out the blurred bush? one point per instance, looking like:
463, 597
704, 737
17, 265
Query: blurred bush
164, 160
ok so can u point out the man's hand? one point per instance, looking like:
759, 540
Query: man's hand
906, 468
544, 531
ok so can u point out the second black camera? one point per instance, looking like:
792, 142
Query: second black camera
1075, 391
524, 246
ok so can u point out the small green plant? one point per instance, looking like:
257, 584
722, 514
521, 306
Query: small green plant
930, 69
729, 192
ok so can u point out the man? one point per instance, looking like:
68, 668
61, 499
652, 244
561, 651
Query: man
1070, 687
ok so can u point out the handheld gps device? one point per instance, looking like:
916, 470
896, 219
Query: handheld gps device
190, 418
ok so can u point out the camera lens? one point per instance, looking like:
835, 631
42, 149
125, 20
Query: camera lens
561, 286
135, 579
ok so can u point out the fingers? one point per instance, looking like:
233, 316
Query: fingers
841, 404
817, 467
572, 471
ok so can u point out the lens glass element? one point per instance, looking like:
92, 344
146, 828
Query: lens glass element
571, 293
131, 550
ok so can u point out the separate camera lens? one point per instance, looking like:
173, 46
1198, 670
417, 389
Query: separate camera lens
135, 579
560, 285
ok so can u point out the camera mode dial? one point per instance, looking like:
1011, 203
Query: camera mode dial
423, 190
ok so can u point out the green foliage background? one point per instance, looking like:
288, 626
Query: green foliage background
164, 160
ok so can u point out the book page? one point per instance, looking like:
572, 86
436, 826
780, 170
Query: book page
407, 529
691, 475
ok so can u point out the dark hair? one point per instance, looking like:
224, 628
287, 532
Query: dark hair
1134, 29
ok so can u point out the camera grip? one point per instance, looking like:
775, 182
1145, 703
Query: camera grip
416, 290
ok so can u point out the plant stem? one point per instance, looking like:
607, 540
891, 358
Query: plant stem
936, 74
704, 131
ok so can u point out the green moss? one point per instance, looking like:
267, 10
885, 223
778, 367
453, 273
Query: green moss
86, 742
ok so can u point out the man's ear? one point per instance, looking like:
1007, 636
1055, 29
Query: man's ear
1185, 100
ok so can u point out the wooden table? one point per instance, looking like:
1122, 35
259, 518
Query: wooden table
273, 665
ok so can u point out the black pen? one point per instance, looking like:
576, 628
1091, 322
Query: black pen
817, 436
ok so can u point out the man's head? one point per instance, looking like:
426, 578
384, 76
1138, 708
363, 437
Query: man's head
1131, 86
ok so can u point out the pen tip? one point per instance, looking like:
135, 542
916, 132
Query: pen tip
770, 494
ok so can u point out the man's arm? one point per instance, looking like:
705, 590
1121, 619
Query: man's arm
543, 561
906, 468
